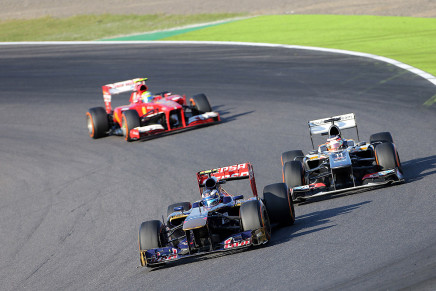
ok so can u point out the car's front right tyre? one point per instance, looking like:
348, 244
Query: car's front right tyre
279, 204
149, 237
97, 122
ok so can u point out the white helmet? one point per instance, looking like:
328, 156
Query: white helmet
334, 143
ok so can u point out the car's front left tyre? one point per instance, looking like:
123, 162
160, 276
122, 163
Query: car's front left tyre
254, 216
381, 137
200, 104
387, 156
130, 120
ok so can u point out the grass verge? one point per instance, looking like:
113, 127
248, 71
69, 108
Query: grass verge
91, 27
406, 39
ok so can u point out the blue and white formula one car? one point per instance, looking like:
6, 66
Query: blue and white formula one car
340, 164
218, 222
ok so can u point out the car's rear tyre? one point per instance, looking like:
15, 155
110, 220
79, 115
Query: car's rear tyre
296, 155
255, 216
200, 104
130, 120
279, 204
97, 122
386, 156
186, 207
381, 137
149, 237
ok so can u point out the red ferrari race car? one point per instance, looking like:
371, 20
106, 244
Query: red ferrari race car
219, 222
147, 114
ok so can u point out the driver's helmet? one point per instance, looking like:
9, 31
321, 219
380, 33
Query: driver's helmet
146, 97
211, 197
334, 143
140, 87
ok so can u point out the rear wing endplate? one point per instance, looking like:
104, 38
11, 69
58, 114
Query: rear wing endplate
117, 88
322, 126
228, 173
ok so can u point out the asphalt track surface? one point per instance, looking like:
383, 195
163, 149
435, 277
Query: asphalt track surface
71, 206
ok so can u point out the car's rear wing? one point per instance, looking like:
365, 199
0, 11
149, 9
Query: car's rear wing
322, 126
117, 88
228, 173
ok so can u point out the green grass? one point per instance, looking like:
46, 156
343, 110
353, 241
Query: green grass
91, 27
406, 39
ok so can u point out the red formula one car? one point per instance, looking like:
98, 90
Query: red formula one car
147, 114
218, 222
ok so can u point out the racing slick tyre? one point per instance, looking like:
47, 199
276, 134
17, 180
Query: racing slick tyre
279, 204
254, 216
186, 206
97, 121
291, 155
381, 137
200, 104
386, 156
130, 120
149, 237
293, 175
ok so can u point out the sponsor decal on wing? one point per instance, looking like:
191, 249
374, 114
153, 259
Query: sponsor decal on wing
107, 98
162, 255
301, 188
231, 243
320, 126
379, 174
234, 171
201, 117
309, 187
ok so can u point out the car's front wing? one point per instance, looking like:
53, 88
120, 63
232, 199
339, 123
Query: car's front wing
159, 256
201, 119
377, 179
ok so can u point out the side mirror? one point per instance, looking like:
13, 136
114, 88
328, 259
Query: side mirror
178, 208
227, 199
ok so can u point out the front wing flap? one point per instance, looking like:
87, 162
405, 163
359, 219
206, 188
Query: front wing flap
208, 117
381, 178
159, 256
202, 119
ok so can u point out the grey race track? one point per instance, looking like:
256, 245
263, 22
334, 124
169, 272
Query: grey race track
71, 206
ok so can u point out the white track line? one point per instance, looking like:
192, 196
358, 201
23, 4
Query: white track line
401, 65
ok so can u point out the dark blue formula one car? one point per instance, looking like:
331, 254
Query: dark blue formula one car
218, 222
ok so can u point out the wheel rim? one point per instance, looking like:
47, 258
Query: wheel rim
90, 125
266, 224
124, 127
